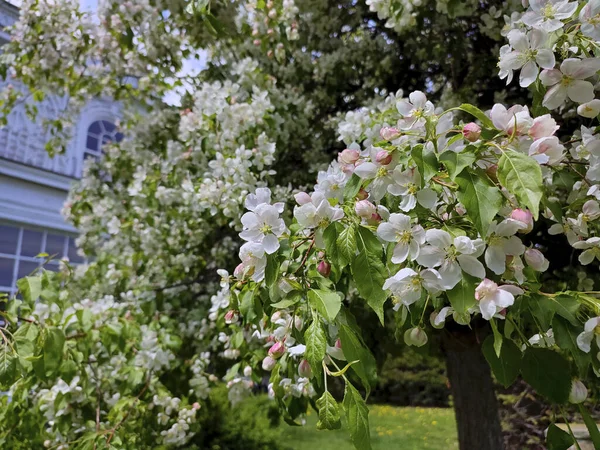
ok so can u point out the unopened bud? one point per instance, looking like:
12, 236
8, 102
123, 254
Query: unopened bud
578, 392
324, 268
256, 42
338, 343
239, 271
298, 323
349, 156
277, 350
389, 133
231, 316
247, 371
196, 406
362, 194
471, 131
304, 369
535, 259
525, 217
383, 157
492, 172
268, 363
302, 198
416, 337
375, 219
365, 209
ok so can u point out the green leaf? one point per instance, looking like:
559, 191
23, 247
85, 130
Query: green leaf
355, 350
480, 197
522, 176
346, 244
548, 373
352, 187
455, 163
330, 237
565, 336
25, 339
558, 439
272, 270
53, 349
316, 347
462, 296
591, 425
426, 161
497, 338
506, 367
30, 288
327, 303
541, 309
329, 413
477, 113
8, 367
368, 270
357, 415
247, 305
565, 306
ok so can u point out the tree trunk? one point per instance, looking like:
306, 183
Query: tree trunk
472, 388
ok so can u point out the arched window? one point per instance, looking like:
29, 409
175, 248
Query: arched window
100, 133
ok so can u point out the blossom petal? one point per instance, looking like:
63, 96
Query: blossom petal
400, 253
581, 91
471, 265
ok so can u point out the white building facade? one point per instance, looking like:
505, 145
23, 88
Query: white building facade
33, 186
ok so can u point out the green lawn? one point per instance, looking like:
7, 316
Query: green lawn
391, 428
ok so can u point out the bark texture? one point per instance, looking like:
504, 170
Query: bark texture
472, 388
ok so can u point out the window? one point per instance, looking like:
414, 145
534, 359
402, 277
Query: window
18, 250
100, 133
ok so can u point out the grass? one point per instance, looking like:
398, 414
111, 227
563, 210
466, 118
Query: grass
391, 428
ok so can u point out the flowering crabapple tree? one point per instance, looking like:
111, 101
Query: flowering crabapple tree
436, 220
434, 223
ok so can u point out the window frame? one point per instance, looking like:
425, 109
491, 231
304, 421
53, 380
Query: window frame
17, 258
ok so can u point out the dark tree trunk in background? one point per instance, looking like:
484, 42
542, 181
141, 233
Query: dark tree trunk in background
472, 388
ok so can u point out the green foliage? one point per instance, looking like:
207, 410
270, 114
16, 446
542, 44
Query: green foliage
481, 198
355, 350
507, 365
357, 416
316, 345
326, 303
329, 413
522, 176
548, 373
368, 270
558, 439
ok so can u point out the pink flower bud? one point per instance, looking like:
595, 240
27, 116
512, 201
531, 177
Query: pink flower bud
239, 271
362, 194
231, 316
196, 406
338, 343
324, 268
302, 198
304, 369
578, 392
535, 259
416, 337
375, 219
256, 42
277, 350
383, 157
471, 131
247, 371
349, 156
365, 209
268, 363
525, 217
389, 133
